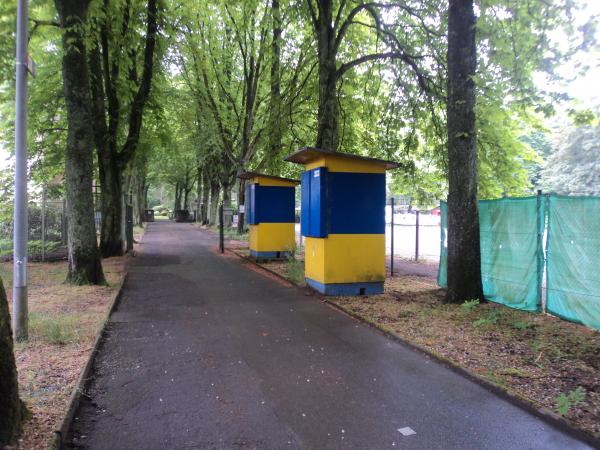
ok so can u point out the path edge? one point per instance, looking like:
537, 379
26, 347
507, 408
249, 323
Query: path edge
548, 416
57, 440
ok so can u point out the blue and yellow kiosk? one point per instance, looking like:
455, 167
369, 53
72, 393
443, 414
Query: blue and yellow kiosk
270, 214
343, 221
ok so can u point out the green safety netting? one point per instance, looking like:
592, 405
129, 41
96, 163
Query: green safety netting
573, 259
511, 231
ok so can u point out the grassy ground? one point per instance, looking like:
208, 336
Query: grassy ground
547, 361
63, 323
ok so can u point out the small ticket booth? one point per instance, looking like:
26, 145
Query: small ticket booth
270, 215
343, 221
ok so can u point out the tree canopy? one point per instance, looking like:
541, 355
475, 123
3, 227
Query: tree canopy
236, 86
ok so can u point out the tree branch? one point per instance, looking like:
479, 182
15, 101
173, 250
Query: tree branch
137, 107
366, 58
313, 15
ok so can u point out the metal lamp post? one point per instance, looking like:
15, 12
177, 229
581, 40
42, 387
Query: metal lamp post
20, 315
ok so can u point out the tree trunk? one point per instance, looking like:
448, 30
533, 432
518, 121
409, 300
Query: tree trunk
111, 238
226, 195
464, 258
176, 206
205, 197
84, 259
11, 408
112, 162
198, 194
275, 129
241, 201
328, 112
214, 203
141, 200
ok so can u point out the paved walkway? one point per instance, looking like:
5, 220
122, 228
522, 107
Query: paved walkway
206, 352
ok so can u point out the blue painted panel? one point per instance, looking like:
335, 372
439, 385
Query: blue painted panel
346, 289
270, 255
305, 204
249, 214
356, 203
274, 204
251, 204
318, 202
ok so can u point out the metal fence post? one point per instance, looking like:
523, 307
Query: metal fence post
221, 230
417, 212
392, 238
43, 223
540, 244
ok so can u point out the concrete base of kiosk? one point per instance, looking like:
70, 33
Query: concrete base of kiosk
347, 289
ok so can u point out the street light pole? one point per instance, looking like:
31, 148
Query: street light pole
19, 322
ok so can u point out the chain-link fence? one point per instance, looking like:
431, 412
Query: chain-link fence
47, 233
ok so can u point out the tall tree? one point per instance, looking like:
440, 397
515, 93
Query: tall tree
464, 259
11, 408
114, 62
275, 110
84, 259
331, 30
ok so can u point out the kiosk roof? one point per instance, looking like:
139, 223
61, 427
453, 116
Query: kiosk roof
250, 175
307, 154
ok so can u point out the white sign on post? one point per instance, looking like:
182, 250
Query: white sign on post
242, 209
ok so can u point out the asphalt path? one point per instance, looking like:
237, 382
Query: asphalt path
206, 351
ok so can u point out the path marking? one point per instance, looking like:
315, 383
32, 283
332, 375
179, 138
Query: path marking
407, 431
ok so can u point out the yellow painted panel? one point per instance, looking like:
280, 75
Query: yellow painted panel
341, 164
319, 162
346, 258
272, 237
314, 259
264, 181
253, 236
352, 258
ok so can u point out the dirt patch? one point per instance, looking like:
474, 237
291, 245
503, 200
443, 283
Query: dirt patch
63, 323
